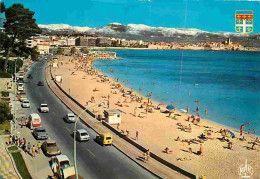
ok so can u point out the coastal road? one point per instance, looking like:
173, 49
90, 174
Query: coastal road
93, 160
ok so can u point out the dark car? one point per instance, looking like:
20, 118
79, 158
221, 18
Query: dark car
30, 76
40, 133
50, 148
40, 83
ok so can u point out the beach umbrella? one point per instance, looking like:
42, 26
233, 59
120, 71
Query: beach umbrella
170, 107
232, 134
207, 133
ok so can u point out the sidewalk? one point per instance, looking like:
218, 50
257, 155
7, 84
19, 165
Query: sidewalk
38, 167
128, 149
6, 166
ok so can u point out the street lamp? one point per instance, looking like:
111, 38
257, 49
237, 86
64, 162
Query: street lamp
75, 127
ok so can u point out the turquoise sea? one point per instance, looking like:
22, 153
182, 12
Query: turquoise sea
225, 82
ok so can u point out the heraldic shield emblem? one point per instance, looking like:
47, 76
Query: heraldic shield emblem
244, 20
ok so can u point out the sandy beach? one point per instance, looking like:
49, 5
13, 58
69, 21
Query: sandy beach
156, 130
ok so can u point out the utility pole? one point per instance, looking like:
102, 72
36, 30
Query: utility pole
15, 121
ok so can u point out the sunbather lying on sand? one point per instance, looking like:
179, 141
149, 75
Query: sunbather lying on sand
167, 150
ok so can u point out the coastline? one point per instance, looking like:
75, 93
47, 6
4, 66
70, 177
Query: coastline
179, 49
156, 128
208, 121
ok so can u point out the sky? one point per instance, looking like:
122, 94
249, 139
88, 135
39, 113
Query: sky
208, 15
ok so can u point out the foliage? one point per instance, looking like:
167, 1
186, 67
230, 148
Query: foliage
5, 113
73, 50
5, 93
20, 23
34, 54
19, 162
2, 7
19, 26
86, 50
60, 51
6, 127
5, 74
11, 66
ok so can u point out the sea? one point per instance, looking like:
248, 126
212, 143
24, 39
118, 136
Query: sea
226, 83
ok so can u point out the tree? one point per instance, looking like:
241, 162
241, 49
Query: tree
2, 7
5, 113
19, 25
86, 50
73, 50
60, 51
34, 54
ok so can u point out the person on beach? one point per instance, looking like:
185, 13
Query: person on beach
190, 149
178, 138
108, 104
253, 146
201, 150
230, 145
170, 113
167, 150
197, 109
188, 109
135, 111
241, 129
147, 155
249, 131
206, 111
254, 131
136, 135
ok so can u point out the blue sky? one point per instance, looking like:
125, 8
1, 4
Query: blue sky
209, 15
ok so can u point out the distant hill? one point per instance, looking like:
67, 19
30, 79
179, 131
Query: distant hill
148, 33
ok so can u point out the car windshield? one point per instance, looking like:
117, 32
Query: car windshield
108, 138
84, 134
44, 105
51, 145
25, 101
71, 115
41, 130
64, 164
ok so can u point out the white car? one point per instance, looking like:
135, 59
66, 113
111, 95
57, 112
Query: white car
70, 117
26, 103
82, 135
20, 87
44, 108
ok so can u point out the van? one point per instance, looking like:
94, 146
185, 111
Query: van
34, 121
105, 139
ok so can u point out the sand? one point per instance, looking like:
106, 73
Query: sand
156, 130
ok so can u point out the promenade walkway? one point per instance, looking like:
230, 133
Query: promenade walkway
6, 166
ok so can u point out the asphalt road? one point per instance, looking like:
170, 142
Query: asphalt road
93, 160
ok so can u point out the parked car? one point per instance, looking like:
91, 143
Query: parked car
26, 103
40, 133
20, 86
44, 108
82, 135
34, 121
30, 76
40, 83
50, 148
70, 117
62, 166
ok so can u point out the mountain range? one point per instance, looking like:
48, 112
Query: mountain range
148, 33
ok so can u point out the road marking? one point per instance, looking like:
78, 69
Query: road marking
91, 153
67, 129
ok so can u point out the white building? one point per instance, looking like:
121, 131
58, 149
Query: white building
43, 49
71, 41
113, 116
